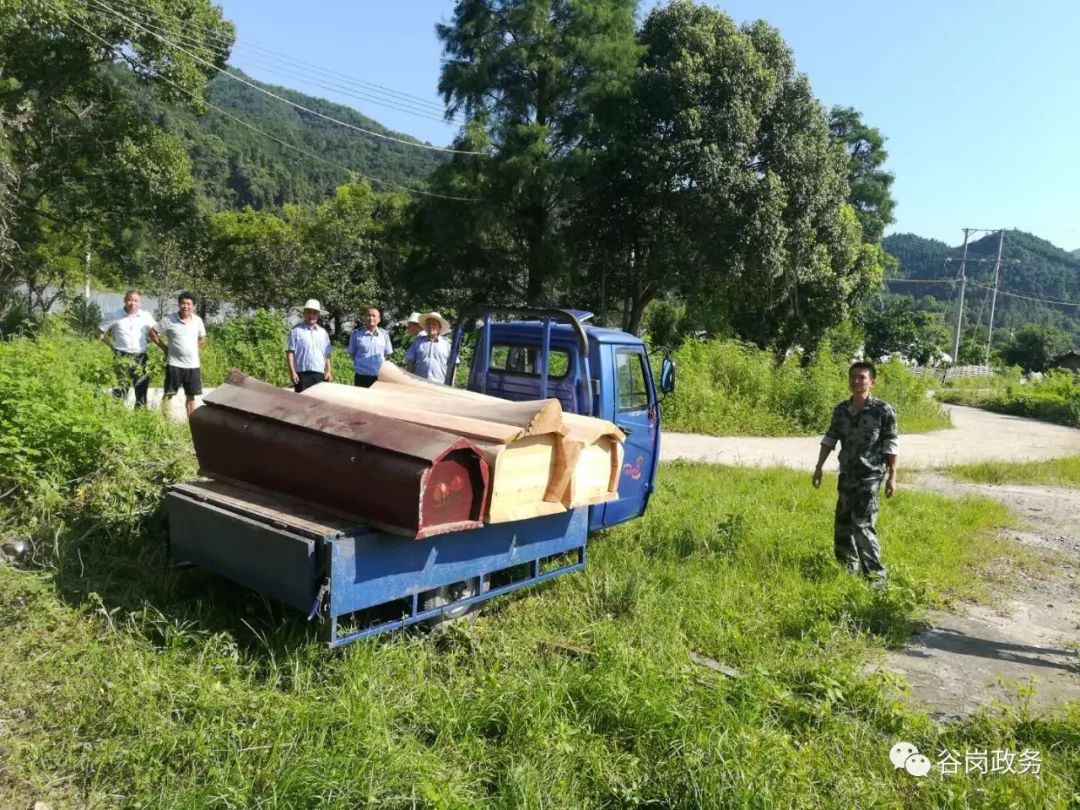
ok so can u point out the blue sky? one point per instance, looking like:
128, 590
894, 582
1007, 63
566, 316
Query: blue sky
980, 101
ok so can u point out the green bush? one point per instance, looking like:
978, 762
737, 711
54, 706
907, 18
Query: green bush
70, 450
1054, 398
255, 344
729, 388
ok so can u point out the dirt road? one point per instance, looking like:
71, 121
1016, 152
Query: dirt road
976, 435
964, 660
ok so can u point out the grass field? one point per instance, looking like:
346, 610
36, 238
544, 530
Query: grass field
127, 686
1060, 472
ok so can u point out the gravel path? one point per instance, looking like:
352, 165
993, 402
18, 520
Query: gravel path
976, 435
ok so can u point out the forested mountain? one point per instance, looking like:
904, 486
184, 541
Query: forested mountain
1031, 267
236, 166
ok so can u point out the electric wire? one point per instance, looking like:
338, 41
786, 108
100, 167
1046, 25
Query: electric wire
131, 60
313, 75
264, 91
1028, 297
225, 43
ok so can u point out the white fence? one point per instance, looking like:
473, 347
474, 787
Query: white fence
952, 372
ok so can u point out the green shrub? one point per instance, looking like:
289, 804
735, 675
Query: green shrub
68, 448
730, 388
1054, 398
254, 344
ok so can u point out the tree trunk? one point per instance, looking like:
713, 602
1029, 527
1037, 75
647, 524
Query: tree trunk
536, 260
637, 311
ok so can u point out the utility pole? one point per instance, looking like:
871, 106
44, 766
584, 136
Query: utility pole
993, 298
960, 312
86, 278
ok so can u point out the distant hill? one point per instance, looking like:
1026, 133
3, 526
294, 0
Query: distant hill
1032, 267
237, 166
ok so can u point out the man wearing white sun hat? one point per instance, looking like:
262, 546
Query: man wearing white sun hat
308, 350
429, 354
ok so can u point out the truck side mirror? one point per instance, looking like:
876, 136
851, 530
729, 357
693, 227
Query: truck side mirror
667, 376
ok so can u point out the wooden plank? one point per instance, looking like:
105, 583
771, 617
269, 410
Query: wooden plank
491, 420
358, 401
271, 507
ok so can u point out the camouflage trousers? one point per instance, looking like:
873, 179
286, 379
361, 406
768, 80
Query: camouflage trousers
855, 541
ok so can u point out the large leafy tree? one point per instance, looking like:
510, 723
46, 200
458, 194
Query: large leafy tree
1033, 347
91, 169
896, 325
530, 75
719, 178
870, 185
354, 242
346, 252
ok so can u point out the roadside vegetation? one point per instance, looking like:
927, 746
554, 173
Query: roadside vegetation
728, 388
1054, 398
1059, 472
126, 684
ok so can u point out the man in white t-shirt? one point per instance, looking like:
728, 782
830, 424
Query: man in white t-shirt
184, 334
127, 330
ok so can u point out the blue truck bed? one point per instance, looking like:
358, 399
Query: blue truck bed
333, 567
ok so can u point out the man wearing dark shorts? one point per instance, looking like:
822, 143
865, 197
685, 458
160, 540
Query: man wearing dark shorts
181, 335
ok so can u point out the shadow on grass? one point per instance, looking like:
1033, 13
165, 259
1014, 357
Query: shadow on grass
134, 581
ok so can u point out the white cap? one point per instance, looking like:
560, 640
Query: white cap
414, 318
313, 303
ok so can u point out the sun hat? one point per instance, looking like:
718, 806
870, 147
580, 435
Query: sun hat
313, 303
414, 318
445, 324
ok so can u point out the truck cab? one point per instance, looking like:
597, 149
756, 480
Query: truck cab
591, 370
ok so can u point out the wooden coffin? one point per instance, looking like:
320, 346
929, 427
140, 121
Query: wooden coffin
520, 450
397, 476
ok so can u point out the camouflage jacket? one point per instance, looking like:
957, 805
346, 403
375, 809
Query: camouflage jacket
865, 438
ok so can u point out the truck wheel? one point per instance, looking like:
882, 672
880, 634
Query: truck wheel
445, 595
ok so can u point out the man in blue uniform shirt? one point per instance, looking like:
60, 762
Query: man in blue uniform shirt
308, 350
369, 345
429, 354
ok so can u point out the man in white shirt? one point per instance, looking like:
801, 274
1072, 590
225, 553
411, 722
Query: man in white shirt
127, 329
184, 334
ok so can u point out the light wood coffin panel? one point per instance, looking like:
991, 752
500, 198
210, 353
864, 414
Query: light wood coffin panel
588, 459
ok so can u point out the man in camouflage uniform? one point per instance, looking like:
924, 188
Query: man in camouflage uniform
865, 427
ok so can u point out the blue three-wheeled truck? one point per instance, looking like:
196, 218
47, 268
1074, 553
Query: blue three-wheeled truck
361, 581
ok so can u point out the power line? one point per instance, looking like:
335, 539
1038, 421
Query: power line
263, 90
1029, 297
113, 50
312, 74
227, 43
920, 281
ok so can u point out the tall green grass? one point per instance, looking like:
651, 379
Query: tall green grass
726, 388
1054, 398
135, 688
1061, 472
68, 450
